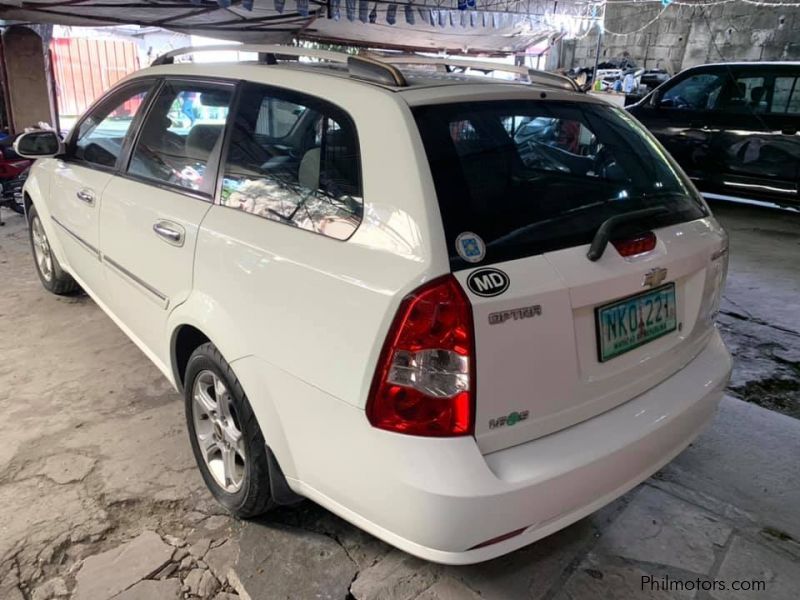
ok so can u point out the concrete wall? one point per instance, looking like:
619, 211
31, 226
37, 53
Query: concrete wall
26, 75
684, 36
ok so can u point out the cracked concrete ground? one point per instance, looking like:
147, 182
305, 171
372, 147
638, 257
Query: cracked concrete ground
760, 312
100, 497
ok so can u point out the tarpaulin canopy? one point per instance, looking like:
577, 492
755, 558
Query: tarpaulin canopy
455, 25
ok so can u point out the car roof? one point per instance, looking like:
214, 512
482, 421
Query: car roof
761, 63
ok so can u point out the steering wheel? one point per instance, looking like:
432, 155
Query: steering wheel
680, 102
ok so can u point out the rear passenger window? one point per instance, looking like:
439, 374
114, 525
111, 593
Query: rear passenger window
294, 159
747, 95
786, 96
181, 132
277, 118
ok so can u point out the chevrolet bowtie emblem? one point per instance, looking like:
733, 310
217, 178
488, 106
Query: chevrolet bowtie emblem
654, 277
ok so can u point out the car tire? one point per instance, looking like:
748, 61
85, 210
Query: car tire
53, 277
226, 440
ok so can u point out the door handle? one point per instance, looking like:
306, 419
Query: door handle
86, 195
170, 232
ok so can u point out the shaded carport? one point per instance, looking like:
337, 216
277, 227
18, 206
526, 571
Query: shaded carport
494, 27
455, 25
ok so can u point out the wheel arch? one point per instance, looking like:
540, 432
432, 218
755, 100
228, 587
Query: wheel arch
190, 327
27, 202
195, 321
32, 197
185, 339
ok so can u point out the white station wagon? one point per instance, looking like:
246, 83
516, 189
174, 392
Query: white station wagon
459, 312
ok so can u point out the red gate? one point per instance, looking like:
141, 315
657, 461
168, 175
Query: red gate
86, 68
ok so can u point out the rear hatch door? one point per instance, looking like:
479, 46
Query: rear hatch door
523, 187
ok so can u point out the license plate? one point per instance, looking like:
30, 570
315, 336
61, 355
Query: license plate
634, 321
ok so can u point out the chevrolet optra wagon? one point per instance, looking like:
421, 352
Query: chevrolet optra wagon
460, 313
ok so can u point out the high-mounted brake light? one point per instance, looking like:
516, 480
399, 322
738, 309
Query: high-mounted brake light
424, 381
635, 245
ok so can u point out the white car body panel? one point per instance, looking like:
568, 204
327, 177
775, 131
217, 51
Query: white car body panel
78, 219
147, 275
302, 318
562, 382
418, 493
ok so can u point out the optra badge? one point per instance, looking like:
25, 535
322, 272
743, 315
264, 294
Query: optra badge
487, 282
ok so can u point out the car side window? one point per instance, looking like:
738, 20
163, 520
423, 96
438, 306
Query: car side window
277, 118
786, 95
180, 133
294, 159
101, 135
747, 94
696, 92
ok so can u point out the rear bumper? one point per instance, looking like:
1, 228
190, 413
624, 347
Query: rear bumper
438, 499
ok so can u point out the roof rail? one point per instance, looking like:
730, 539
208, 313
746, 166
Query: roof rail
360, 67
532, 75
272, 51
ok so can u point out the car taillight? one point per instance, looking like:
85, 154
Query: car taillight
716, 273
636, 245
424, 381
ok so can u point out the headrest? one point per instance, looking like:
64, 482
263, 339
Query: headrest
308, 173
201, 140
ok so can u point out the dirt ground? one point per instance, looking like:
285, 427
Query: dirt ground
100, 497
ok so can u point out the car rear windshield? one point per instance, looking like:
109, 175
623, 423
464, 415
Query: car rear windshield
535, 176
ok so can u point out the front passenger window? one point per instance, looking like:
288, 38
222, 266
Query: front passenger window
181, 132
697, 92
101, 135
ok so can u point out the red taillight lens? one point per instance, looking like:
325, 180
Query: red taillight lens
424, 381
636, 245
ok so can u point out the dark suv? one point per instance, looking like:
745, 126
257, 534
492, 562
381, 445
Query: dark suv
733, 127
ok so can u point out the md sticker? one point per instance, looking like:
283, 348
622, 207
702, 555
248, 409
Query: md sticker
470, 247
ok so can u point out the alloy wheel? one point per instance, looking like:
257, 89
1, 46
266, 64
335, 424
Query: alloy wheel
218, 432
41, 249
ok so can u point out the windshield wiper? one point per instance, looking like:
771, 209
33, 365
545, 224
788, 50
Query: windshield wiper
605, 230
526, 229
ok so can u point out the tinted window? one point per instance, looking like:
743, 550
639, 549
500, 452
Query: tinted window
277, 118
294, 159
180, 133
786, 95
100, 136
697, 92
748, 94
530, 177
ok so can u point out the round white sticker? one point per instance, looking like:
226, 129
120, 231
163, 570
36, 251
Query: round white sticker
470, 247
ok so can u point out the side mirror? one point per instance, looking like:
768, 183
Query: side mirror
39, 144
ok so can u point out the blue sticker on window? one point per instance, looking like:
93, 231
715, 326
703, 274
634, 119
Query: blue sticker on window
470, 247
